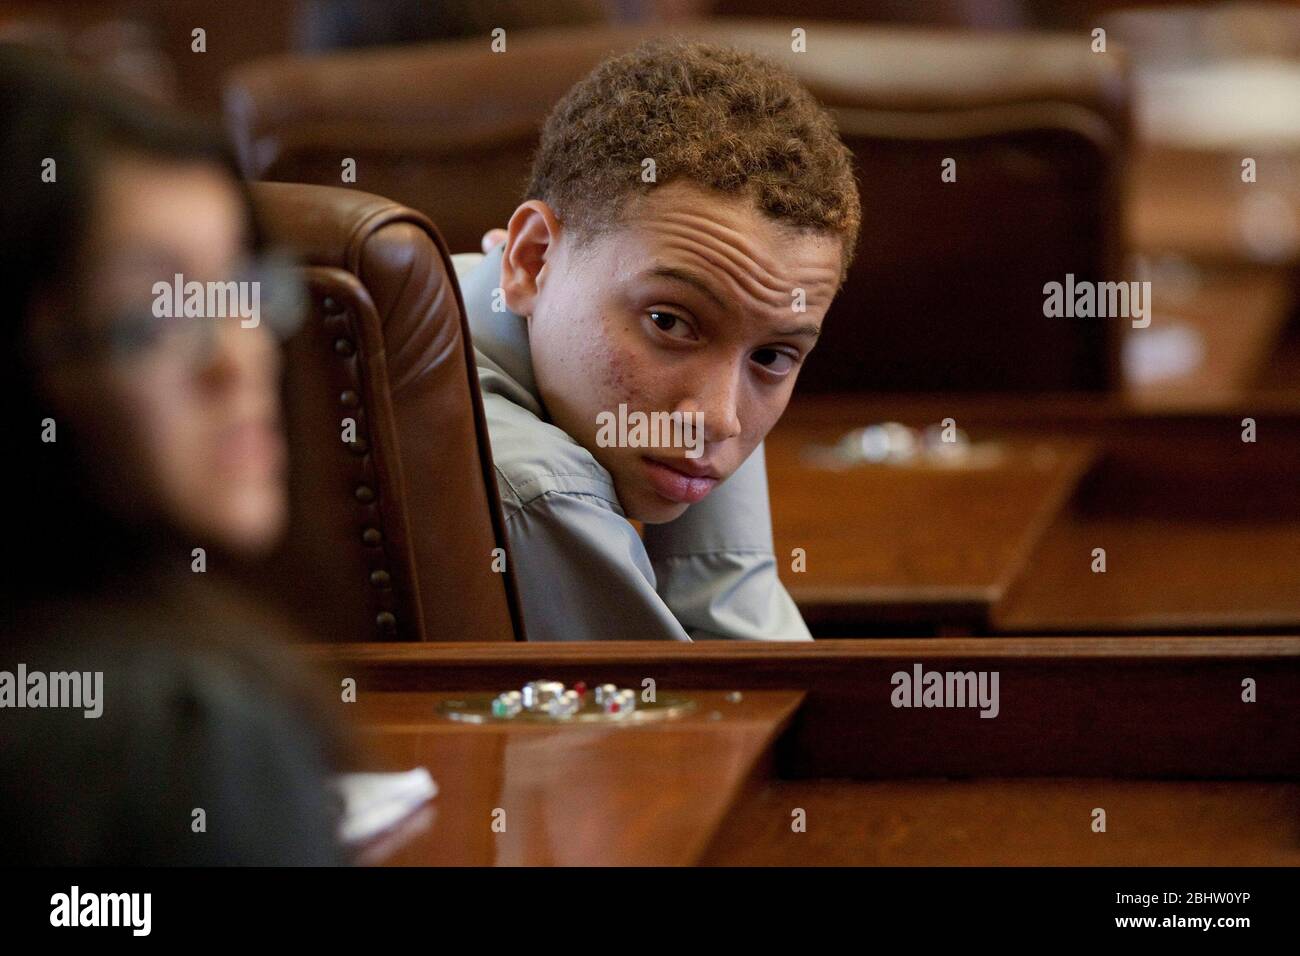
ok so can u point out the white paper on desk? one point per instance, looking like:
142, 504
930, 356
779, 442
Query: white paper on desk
375, 802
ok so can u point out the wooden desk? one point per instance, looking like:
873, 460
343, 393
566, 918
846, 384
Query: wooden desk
1162, 575
1239, 316
644, 795
1193, 202
1153, 730
1014, 823
1201, 530
912, 541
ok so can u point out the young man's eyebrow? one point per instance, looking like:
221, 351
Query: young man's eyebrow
691, 279
809, 330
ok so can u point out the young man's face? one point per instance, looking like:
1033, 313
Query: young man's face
700, 304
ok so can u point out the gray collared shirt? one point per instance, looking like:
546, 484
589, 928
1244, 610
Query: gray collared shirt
583, 571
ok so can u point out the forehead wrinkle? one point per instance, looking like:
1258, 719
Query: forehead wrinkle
764, 287
734, 243
776, 296
736, 239
710, 231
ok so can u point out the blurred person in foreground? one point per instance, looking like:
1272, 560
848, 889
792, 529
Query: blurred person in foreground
138, 440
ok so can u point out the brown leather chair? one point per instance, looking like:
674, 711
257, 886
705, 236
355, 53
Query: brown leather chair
392, 535
946, 293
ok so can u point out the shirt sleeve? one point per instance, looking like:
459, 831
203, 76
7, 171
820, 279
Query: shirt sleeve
583, 573
715, 567
464, 264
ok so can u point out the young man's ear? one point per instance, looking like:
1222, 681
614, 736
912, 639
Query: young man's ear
531, 236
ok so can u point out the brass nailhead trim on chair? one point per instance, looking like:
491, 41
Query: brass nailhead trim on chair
372, 537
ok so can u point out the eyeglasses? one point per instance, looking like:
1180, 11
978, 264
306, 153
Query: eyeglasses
186, 316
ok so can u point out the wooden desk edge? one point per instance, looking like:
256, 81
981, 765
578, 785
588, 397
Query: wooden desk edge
744, 785
597, 652
1080, 460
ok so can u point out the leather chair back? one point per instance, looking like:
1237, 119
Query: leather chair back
393, 533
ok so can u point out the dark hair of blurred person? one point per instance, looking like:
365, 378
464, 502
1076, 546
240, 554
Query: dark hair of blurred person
166, 439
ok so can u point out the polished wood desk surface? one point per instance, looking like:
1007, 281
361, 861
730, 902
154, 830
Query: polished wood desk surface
1014, 823
900, 539
1237, 248
1152, 730
1194, 202
648, 794
1239, 318
1201, 530
1161, 575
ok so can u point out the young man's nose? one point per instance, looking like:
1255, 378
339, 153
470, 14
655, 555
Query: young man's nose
718, 398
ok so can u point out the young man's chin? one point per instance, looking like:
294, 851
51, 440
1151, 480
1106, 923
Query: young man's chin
641, 503
652, 512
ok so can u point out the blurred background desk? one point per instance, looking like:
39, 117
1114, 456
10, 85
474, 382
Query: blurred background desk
1201, 530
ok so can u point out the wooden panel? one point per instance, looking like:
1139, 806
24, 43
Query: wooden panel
946, 290
1205, 525
1193, 201
1161, 575
1076, 717
572, 795
1124, 707
894, 543
1014, 823
1201, 532
1237, 315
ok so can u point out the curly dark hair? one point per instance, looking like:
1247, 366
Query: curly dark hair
716, 116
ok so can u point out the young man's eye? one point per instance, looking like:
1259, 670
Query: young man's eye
775, 361
671, 325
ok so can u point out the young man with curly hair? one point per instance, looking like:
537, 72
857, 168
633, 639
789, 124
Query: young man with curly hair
696, 290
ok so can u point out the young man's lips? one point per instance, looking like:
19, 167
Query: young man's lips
676, 483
